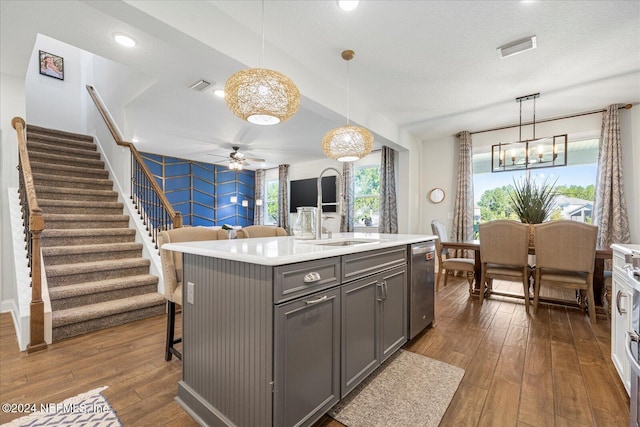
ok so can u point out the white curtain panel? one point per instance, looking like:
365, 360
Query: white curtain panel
347, 221
610, 207
283, 197
463, 206
388, 207
259, 192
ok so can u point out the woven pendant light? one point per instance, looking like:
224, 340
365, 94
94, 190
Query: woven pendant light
347, 143
262, 96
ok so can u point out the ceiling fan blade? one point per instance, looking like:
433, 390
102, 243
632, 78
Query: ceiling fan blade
255, 160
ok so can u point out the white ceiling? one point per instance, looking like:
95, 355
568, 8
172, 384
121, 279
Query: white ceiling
423, 70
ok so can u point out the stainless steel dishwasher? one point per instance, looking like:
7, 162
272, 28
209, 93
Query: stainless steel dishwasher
421, 293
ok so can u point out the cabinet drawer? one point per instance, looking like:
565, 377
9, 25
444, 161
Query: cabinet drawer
364, 264
295, 280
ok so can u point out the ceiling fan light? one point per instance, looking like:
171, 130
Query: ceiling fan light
347, 143
262, 96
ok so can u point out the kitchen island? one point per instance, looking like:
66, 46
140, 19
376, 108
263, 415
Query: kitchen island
277, 330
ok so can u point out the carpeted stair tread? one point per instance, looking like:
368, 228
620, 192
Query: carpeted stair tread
85, 249
56, 206
78, 289
66, 221
39, 130
104, 309
95, 266
77, 144
63, 232
68, 170
57, 159
45, 147
75, 191
76, 182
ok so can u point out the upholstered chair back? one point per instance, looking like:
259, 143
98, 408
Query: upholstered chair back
565, 245
504, 242
260, 231
172, 261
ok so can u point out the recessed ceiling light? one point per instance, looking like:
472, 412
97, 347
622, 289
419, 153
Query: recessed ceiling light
348, 4
219, 93
125, 40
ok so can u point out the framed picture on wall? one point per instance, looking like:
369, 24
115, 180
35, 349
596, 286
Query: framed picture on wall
51, 65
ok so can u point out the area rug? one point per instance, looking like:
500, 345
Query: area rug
90, 409
408, 389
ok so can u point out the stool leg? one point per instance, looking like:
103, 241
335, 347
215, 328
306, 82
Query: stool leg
171, 323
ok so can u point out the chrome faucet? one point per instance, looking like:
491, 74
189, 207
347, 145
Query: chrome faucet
320, 204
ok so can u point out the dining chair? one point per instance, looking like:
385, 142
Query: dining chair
260, 231
565, 251
447, 264
172, 274
504, 250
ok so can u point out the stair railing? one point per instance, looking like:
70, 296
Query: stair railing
33, 226
150, 201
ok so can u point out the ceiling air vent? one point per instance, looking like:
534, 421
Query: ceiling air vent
200, 85
517, 47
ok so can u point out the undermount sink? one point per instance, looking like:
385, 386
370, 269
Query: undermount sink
343, 242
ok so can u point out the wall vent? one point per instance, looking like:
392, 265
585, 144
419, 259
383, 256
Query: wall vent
517, 46
200, 85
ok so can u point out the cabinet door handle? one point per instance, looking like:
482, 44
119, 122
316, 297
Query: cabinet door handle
312, 277
385, 289
619, 296
315, 301
381, 293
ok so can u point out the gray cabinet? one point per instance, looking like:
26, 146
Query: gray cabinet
280, 345
360, 354
393, 311
307, 358
374, 323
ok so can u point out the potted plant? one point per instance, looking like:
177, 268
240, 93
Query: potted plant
532, 203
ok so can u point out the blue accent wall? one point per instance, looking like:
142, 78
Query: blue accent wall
202, 192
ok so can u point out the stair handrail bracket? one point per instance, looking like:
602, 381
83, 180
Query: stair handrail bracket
149, 199
34, 225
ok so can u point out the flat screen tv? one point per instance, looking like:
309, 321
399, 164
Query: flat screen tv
304, 192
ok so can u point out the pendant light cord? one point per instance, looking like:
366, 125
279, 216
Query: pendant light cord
348, 93
262, 34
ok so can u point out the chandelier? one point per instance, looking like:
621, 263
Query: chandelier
534, 153
347, 143
262, 96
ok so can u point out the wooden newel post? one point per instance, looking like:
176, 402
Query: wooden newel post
37, 342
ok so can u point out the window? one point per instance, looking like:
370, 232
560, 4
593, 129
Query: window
367, 196
575, 185
271, 205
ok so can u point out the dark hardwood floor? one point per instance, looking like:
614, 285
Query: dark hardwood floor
548, 369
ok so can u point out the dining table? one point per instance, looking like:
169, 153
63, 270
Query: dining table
602, 254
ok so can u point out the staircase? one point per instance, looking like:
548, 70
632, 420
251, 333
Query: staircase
95, 271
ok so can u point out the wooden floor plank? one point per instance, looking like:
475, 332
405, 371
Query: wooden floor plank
521, 369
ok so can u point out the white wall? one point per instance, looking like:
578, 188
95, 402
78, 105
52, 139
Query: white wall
630, 133
54, 103
439, 158
12, 104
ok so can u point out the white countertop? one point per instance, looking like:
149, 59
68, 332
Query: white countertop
286, 250
625, 248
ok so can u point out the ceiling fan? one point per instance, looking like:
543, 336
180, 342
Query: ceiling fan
238, 160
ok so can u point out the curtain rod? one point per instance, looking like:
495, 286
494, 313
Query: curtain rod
626, 107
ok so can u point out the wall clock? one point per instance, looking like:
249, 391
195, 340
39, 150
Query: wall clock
436, 195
